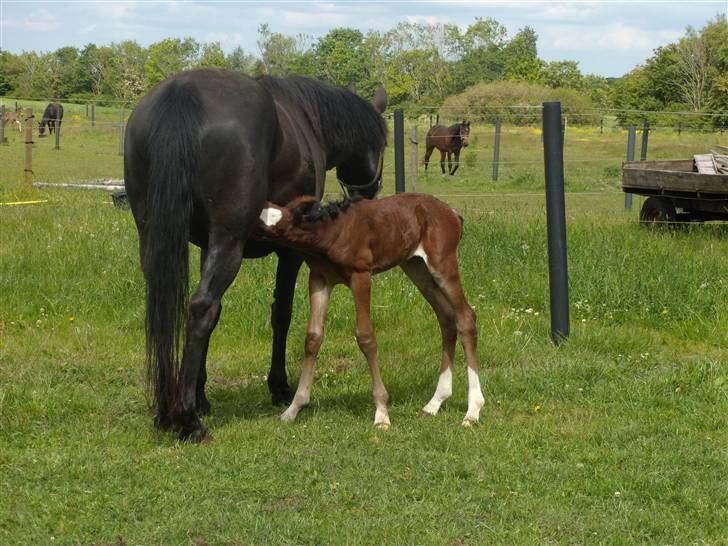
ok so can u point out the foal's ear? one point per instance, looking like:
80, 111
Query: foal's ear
380, 99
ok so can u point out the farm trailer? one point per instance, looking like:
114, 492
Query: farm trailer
676, 192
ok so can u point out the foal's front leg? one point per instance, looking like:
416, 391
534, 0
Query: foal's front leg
319, 292
361, 287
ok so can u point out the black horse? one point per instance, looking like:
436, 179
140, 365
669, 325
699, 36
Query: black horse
449, 140
204, 151
52, 113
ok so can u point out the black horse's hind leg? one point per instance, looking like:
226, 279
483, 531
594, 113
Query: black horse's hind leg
457, 162
202, 404
221, 265
442, 161
289, 262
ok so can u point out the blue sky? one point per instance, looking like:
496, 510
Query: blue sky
606, 38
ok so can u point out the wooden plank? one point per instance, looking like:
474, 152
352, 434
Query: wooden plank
682, 165
673, 181
705, 164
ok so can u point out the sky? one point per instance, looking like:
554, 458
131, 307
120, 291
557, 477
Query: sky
605, 38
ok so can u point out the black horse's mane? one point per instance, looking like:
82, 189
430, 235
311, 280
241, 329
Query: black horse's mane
322, 104
316, 211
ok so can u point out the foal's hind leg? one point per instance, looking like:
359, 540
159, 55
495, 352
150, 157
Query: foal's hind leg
319, 293
417, 271
447, 277
361, 287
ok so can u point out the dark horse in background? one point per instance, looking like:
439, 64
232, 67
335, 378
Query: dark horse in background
449, 140
53, 113
204, 151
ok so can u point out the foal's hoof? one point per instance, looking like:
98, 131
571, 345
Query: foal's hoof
468, 423
424, 414
382, 426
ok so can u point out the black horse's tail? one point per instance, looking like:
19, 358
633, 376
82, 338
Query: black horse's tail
174, 152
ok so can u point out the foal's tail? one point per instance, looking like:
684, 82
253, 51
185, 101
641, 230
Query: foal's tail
174, 152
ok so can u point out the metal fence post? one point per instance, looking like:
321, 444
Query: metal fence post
93, 115
399, 151
645, 135
553, 151
496, 148
414, 158
631, 137
2, 124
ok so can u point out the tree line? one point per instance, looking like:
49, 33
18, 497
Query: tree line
423, 66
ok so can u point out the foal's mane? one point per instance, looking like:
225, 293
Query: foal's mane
307, 210
342, 119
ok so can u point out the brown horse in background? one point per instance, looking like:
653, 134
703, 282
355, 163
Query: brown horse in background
449, 140
349, 242
15, 117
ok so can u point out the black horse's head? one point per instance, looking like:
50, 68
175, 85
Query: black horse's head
464, 133
360, 173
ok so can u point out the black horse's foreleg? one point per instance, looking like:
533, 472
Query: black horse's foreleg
221, 265
289, 262
442, 161
457, 162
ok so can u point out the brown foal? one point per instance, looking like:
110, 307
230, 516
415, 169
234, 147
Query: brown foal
347, 243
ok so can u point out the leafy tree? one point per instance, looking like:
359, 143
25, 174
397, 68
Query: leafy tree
168, 57
124, 76
520, 57
278, 53
340, 57
562, 74
212, 56
241, 61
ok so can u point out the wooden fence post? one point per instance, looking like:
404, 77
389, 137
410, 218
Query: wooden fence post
28, 121
121, 132
414, 159
93, 115
2, 125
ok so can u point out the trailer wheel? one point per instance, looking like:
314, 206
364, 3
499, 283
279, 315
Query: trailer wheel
657, 211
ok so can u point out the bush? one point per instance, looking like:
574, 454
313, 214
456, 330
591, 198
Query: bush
517, 103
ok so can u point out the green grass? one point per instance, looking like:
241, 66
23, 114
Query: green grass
616, 437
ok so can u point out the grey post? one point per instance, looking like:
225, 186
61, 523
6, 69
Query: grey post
58, 130
121, 131
2, 124
93, 115
414, 155
399, 151
645, 135
553, 152
496, 148
631, 137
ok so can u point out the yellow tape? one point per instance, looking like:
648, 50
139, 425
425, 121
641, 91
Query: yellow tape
24, 202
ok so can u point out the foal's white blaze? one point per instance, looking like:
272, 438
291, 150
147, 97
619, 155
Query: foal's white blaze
421, 253
271, 216
475, 398
442, 392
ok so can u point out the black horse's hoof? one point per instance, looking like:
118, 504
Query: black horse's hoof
195, 436
282, 397
163, 422
203, 407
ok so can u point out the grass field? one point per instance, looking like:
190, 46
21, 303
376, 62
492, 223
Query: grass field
617, 436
